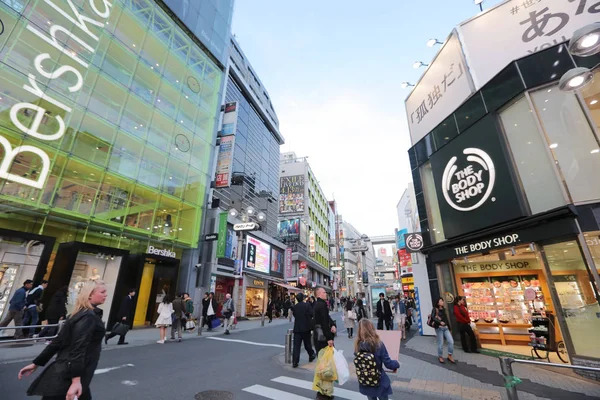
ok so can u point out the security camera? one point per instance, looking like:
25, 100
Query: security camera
198, 266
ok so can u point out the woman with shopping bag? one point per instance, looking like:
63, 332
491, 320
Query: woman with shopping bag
370, 356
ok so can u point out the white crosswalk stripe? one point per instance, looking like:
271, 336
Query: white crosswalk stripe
276, 394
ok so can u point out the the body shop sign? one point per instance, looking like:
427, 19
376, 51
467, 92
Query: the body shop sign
70, 25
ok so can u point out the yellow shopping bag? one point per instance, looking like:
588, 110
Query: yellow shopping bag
325, 372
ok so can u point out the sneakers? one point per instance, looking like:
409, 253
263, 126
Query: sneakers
227, 333
160, 341
311, 358
179, 340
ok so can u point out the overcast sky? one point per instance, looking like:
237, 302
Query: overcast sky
333, 71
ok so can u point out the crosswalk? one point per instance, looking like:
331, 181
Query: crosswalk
287, 388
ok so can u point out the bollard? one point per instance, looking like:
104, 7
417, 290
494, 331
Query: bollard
200, 326
288, 346
262, 319
507, 373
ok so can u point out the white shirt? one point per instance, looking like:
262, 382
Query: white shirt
210, 310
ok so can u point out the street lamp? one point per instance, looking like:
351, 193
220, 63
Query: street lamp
404, 85
575, 78
479, 3
433, 42
419, 64
586, 41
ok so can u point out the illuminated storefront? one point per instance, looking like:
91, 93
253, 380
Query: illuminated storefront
106, 131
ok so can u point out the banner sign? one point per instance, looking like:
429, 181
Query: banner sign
276, 261
289, 229
400, 238
222, 240
291, 194
230, 117
258, 255
312, 242
404, 258
414, 242
288, 263
224, 162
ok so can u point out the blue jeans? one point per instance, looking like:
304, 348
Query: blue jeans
380, 398
443, 332
30, 317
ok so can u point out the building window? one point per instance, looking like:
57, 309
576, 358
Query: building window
533, 161
591, 97
571, 140
431, 200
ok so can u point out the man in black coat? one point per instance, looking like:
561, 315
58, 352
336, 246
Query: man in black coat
302, 321
384, 313
125, 317
322, 319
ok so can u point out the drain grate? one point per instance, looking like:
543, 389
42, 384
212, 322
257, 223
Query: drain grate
214, 395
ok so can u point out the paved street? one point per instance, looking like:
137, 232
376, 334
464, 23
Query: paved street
249, 365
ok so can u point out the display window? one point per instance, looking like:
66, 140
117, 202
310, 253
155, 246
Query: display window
254, 302
159, 279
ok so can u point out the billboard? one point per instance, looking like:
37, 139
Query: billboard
277, 261
289, 229
291, 194
303, 235
222, 239
400, 243
231, 244
288, 263
312, 242
224, 162
258, 255
230, 116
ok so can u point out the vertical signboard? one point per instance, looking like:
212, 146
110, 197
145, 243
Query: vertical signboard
222, 241
288, 263
303, 235
312, 243
400, 243
230, 116
226, 146
291, 194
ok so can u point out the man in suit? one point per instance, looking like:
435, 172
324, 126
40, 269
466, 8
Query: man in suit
384, 313
322, 318
302, 321
125, 317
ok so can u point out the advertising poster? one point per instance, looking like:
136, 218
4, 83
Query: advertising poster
229, 125
312, 242
258, 255
400, 243
231, 244
289, 229
288, 263
291, 194
276, 261
224, 162
7, 280
222, 240
303, 234
404, 258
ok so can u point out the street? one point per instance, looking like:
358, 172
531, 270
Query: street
246, 370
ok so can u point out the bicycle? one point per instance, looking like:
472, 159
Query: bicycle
561, 352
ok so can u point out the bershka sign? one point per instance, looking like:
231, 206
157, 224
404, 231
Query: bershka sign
500, 241
72, 26
161, 252
474, 181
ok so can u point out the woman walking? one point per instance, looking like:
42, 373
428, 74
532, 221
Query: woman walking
57, 311
349, 318
367, 345
165, 318
442, 331
77, 346
360, 310
464, 325
400, 314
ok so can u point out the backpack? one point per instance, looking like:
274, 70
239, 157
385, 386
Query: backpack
366, 369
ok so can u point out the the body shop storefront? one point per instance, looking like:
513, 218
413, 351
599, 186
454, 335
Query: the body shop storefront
106, 133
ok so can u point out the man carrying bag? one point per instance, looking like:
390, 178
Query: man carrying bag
228, 310
125, 319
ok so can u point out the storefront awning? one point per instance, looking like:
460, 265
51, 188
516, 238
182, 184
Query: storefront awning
288, 287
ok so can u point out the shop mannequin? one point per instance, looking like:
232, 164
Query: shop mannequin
95, 275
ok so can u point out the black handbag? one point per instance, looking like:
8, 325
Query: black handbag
120, 329
319, 334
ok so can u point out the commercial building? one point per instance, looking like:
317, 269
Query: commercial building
247, 264
357, 264
304, 219
505, 159
107, 129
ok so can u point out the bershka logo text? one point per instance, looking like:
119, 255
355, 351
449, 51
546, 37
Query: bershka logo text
468, 183
161, 252
78, 30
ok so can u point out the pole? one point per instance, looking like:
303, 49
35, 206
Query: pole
288, 346
201, 326
262, 319
236, 282
507, 373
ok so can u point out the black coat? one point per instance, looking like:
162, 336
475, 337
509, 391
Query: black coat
126, 309
387, 310
321, 312
302, 317
78, 347
205, 303
57, 307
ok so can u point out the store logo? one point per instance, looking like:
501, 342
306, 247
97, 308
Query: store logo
414, 242
468, 188
161, 252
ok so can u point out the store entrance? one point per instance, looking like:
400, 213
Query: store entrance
159, 279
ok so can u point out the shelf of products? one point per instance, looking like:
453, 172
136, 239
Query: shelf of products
542, 333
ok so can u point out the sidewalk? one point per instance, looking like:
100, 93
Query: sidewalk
136, 337
475, 376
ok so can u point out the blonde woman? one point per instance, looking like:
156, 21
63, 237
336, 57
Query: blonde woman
77, 348
165, 318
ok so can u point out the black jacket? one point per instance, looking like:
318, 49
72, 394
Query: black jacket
78, 347
387, 310
178, 307
302, 317
57, 307
126, 309
439, 315
321, 313
34, 296
205, 303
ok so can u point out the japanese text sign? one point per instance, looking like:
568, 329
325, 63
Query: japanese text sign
444, 86
517, 28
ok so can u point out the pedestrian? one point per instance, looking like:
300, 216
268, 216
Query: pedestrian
165, 317
287, 304
349, 318
33, 306
400, 314
205, 304
325, 330
360, 310
16, 307
311, 302
56, 312
442, 330
178, 317
368, 346
227, 311
189, 309
302, 324
125, 317
211, 311
270, 307
464, 325
384, 313
77, 350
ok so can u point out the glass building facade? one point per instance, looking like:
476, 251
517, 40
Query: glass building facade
107, 123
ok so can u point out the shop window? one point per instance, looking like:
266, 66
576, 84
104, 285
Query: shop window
431, 201
533, 162
136, 117
130, 33
174, 178
77, 188
152, 167
470, 112
195, 186
592, 240
424, 148
119, 64
571, 140
500, 90
140, 213
125, 156
577, 295
591, 98
545, 66
445, 132
160, 133
112, 199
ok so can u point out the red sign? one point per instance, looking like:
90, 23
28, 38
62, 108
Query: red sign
404, 287
288, 263
303, 265
404, 258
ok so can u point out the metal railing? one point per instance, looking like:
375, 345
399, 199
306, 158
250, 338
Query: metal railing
511, 381
32, 339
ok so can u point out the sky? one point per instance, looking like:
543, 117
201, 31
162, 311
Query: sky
333, 70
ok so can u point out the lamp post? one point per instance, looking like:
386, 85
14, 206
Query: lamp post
479, 3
